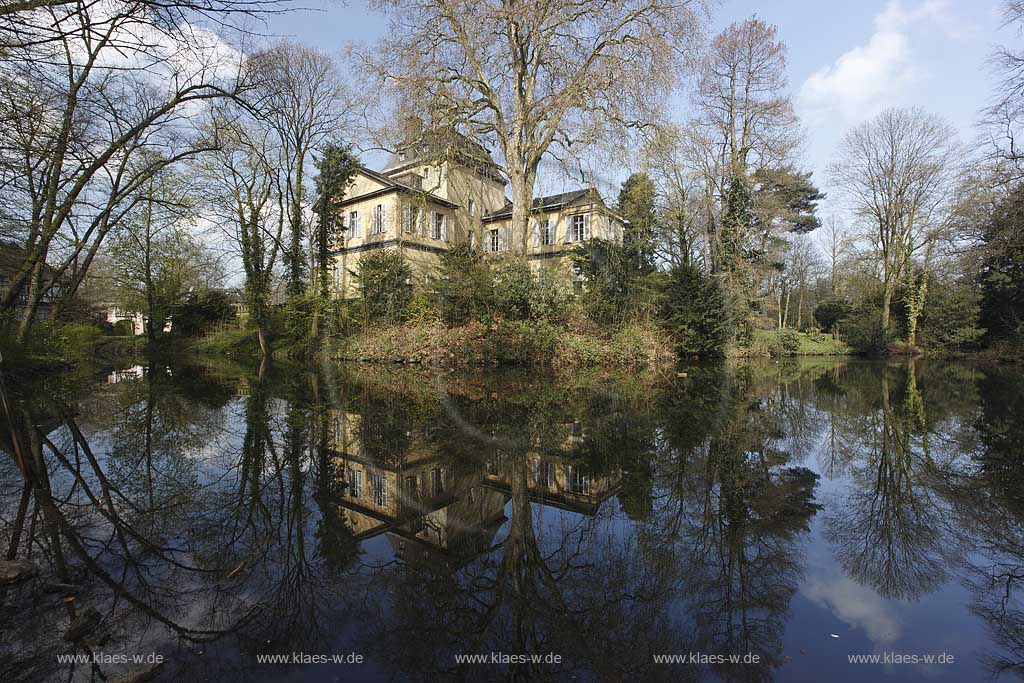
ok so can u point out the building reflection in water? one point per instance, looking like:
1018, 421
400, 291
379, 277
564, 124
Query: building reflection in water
431, 510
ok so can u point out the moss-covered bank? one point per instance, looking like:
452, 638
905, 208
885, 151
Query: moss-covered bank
502, 342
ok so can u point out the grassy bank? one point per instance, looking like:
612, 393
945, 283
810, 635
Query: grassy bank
791, 343
51, 346
523, 343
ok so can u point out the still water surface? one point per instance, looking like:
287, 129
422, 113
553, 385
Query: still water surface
788, 514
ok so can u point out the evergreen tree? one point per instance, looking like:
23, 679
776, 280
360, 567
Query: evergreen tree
636, 205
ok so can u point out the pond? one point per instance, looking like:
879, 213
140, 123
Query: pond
794, 521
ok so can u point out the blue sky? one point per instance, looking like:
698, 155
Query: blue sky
847, 60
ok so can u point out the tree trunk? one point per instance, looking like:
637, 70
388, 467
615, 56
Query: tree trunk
887, 305
35, 295
522, 203
261, 335
800, 309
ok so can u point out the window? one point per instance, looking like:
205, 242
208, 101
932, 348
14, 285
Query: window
437, 227
353, 224
580, 227
410, 218
410, 487
495, 240
436, 481
546, 474
546, 236
578, 481
379, 485
355, 483
472, 207
377, 221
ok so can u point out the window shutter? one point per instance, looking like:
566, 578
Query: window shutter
406, 218
356, 225
586, 226
444, 226
568, 229
383, 219
508, 239
536, 234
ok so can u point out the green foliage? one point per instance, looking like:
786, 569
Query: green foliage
636, 205
519, 294
550, 296
200, 311
862, 328
385, 284
295, 318
616, 288
337, 166
737, 218
123, 328
464, 289
422, 308
513, 285
76, 342
232, 342
694, 311
785, 195
949, 321
787, 343
1002, 272
830, 311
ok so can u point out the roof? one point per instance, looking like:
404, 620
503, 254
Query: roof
391, 185
549, 203
422, 145
12, 258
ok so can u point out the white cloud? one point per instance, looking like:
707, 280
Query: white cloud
856, 606
868, 78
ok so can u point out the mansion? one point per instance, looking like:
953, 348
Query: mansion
425, 201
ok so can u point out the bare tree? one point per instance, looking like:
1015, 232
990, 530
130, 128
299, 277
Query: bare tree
91, 115
897, 170
837, 246
533, 77
744, 123
247, 201
741, 98
1002, 120
301, 97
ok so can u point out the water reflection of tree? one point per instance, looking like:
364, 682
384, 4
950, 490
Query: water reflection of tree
888, 527
984, 488
733, 510
552, 581
186, 527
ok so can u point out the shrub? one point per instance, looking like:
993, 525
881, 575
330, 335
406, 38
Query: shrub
385, 284
513, 287
949, 320
199, 312
694, 311
123, 328
830, 311
786, 343
464, 289
616, 287
550, 296
422, 308
862, 328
